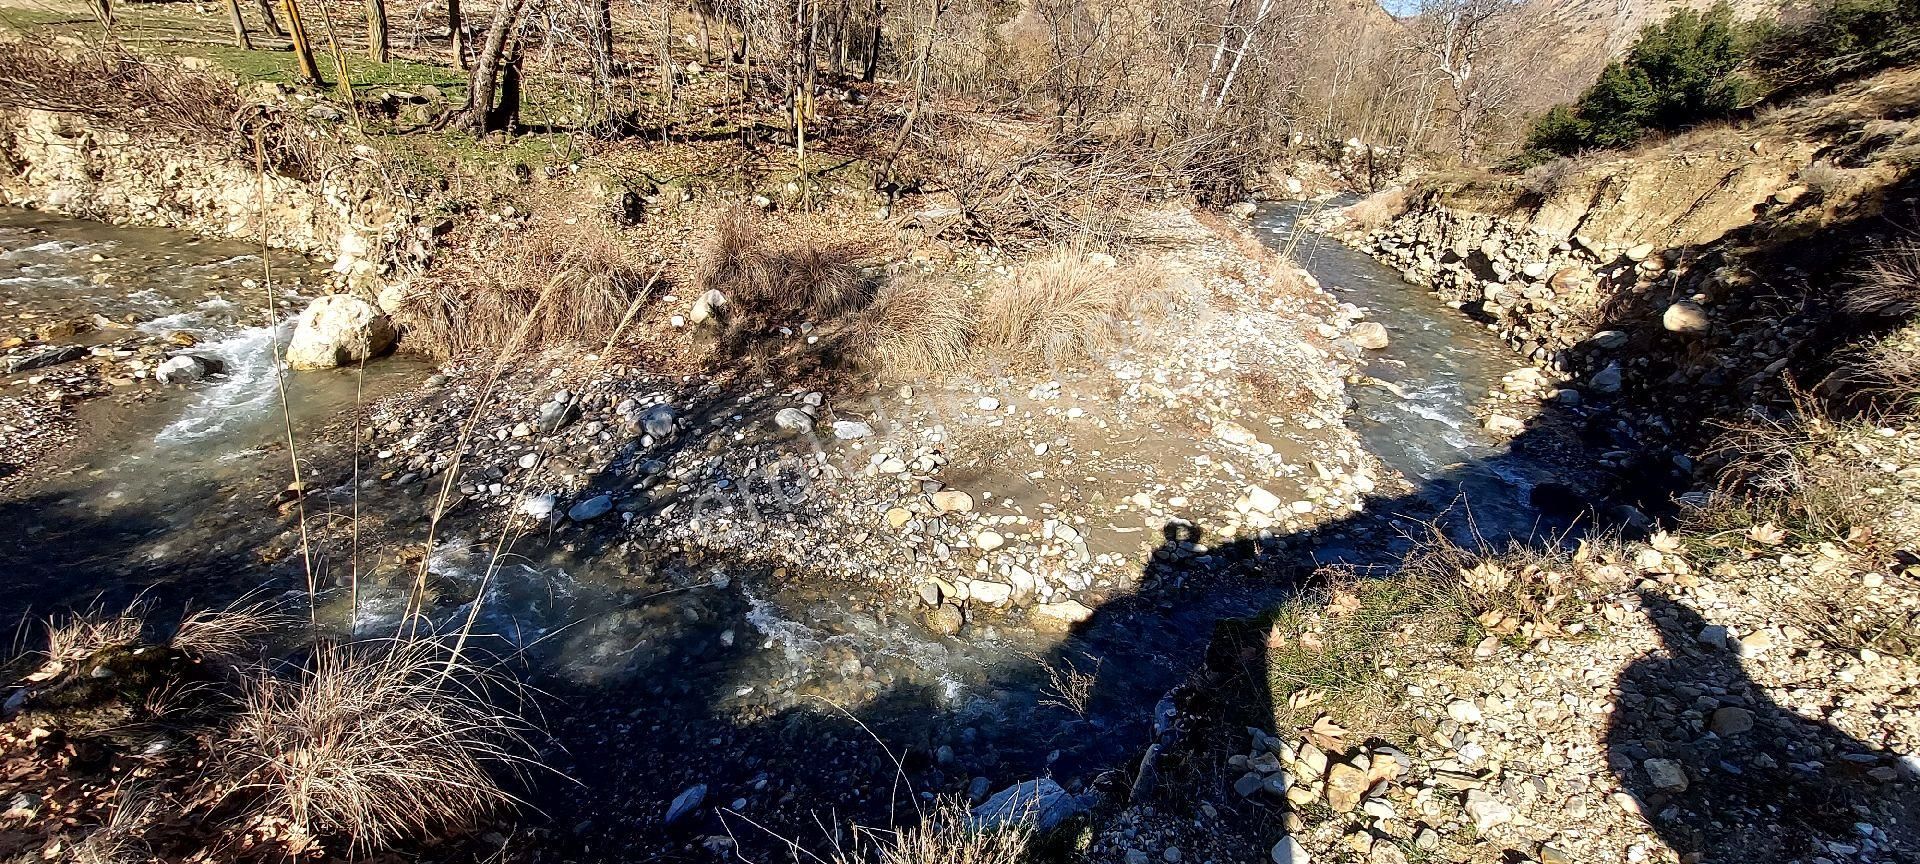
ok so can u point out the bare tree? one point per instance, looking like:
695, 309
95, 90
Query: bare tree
1456, 36
480, 114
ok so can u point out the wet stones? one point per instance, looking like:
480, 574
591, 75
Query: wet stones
591, 509
1370, 335
946, 619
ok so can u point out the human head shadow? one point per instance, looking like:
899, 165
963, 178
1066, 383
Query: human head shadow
1720, 770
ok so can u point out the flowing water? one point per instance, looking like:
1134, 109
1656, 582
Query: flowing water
192, 473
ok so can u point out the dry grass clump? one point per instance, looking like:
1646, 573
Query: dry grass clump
1065, 305
230, 636
1797, 473
769, 287
574, 282
1889, 285
1324, 650
947, 835
918, 324
370, 743
1376, 210
76, 637
122, 840
1545, 180
114, 86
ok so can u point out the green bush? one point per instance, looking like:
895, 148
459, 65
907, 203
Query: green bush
1679, 72
1845, 38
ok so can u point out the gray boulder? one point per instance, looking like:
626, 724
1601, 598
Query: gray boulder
591, 509
1606, 381
658, 421
338, 330
1686, 317
1041, 804
793, 420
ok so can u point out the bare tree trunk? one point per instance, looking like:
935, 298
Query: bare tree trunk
603, 41
273, 24
478, 112
667, 88
457, 32
302, 49
240, 37
103, 13
377, 30
872, 66
506, 115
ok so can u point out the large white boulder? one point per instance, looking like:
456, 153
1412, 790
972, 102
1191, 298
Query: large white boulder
337, 330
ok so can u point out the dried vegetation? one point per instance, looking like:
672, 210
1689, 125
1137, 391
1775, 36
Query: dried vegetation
574, 283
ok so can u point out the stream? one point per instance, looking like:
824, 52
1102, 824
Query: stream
177, 489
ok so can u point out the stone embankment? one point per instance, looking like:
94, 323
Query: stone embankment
346, 211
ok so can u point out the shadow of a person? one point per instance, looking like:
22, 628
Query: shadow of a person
1723, 773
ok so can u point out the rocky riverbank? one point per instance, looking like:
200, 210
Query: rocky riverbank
990, 493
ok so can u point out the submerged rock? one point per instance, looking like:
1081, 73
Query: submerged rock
1371, 335
186, 369
337, 330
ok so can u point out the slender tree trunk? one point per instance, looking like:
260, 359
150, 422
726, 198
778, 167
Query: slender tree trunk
240, 37
302, 49
667, 87
506, 115
377, 31
273, 23
486, 69
103, 13
457, 32
603, 41
872, 66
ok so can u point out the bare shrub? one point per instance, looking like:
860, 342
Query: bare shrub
1547, 179
1889, 285
1064, 305
1070, 685
370, 743
116, 87
949, 834
918, 324
1376, 210
481, 299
